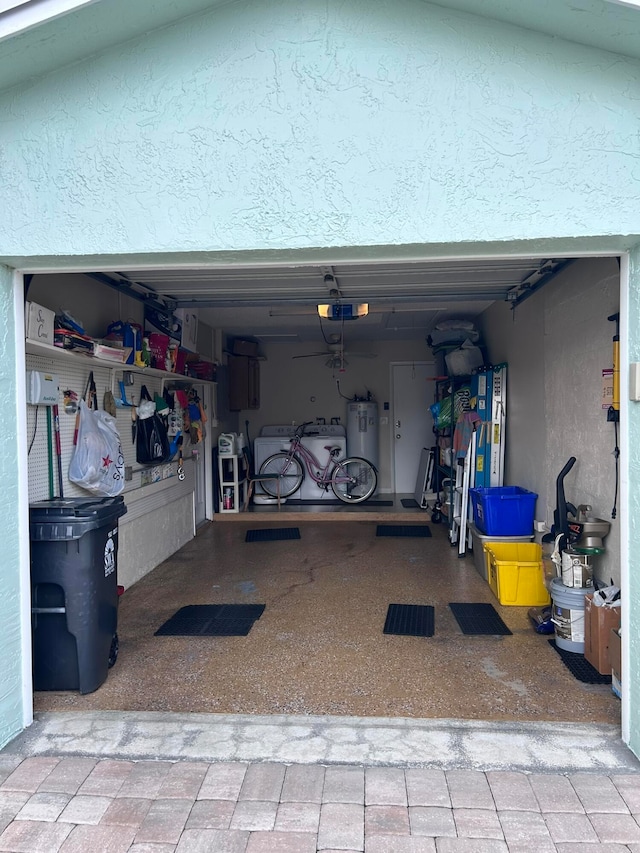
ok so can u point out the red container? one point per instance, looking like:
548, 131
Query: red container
181, 360
159, 346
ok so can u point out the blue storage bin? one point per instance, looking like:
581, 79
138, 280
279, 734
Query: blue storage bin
503, 510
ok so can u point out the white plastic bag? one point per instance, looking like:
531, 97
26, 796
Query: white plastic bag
97, 463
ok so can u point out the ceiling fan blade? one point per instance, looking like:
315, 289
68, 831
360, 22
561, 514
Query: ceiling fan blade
311, 355
361, 354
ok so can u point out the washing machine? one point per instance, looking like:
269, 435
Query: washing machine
274, 438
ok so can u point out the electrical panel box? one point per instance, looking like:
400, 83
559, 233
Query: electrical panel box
42, 388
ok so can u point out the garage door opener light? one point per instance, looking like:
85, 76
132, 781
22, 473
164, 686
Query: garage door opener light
341, 311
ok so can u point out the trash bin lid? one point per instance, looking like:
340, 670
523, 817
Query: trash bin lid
71, 518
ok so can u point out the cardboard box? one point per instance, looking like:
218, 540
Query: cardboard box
40, 323
241, 347
615, 661
598, 624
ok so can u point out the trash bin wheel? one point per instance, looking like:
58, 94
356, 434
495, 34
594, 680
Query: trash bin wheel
113, 652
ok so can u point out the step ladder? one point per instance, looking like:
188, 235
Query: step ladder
459, 532
424, 477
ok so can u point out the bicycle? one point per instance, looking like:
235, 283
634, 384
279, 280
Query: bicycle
352, 479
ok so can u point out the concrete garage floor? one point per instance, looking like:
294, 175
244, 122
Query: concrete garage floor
319, 648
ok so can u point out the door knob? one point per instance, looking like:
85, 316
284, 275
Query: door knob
398, 435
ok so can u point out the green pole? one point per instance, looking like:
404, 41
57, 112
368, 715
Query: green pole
50, 451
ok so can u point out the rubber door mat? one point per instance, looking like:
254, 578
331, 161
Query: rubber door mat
272, 534
334, 502
478, 618
211, 620
580, 667
403, 530
410, 620
409, 503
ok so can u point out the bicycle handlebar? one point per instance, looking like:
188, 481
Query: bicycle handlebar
300, 429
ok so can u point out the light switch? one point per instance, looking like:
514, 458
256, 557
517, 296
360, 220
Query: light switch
634, 381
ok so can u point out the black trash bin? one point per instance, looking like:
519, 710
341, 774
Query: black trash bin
74, 590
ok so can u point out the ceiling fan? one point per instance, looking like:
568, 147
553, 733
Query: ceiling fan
335, 354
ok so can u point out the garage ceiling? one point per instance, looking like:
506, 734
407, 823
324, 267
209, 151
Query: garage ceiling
279, 303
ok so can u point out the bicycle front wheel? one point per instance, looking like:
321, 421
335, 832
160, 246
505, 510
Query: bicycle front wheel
284, 470
354, 480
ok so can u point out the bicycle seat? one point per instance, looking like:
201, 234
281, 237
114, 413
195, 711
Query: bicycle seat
332, 447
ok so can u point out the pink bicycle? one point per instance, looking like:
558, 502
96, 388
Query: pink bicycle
352, 479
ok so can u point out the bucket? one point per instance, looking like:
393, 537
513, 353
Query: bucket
576, 570
567, 614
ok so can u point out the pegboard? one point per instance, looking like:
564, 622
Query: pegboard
73, 373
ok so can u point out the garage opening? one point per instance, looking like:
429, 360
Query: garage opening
262, 358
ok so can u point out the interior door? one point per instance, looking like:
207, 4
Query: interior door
412, 393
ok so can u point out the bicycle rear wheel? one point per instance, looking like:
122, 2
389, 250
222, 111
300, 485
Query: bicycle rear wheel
354, 480
285, 470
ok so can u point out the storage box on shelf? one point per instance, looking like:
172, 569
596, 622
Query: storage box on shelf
516, 574
40, 323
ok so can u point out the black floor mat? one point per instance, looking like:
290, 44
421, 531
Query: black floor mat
410, 620
478, 618
211, 620
334, 502
580, 667
409, 503
272, 534
403, 530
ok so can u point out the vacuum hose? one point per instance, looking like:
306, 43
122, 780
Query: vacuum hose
561, 522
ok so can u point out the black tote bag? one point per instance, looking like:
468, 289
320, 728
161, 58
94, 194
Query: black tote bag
152, 441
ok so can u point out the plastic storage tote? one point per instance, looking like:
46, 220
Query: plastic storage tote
480, 556
503, 510
74, 591
516, 573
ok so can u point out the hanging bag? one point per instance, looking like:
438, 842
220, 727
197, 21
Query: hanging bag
152, 442
97, 463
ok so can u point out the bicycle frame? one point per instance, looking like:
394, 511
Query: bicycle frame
352, 479
310, 460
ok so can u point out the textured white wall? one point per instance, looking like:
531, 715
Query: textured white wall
288, 384
287, 125
557, 344
14, 611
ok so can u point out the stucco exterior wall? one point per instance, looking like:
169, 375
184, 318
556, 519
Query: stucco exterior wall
631, 528
15, 707
280, 125
556, 344
285, 126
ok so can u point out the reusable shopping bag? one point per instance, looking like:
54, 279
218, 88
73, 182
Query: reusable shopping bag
97, 463
152, 442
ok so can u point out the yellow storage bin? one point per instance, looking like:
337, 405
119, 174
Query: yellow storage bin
516, 573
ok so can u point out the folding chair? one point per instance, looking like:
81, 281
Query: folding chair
258, 478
